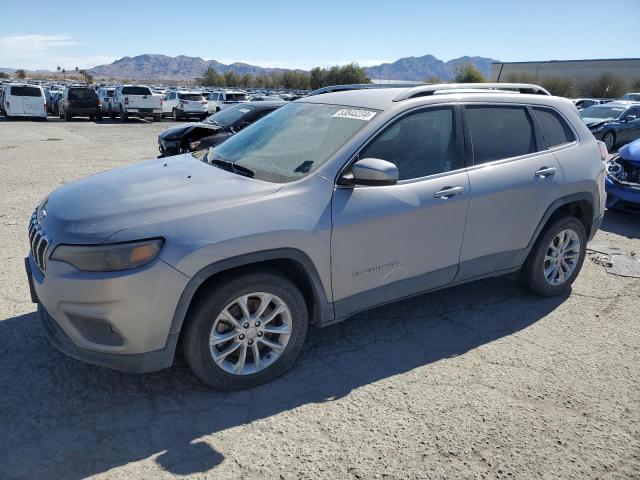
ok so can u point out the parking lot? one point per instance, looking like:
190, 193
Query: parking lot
483, 380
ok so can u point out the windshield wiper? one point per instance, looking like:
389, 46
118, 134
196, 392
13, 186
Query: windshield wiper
232, 167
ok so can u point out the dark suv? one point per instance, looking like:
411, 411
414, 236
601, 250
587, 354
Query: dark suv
79, 101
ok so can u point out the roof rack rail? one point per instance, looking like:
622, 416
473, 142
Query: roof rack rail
426, 90
359, 86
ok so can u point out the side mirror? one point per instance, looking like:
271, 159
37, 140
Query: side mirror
374, 171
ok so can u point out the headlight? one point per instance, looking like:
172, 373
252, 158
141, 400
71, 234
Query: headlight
109, 258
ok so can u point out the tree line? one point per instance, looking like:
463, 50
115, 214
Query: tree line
288, 79
605, 85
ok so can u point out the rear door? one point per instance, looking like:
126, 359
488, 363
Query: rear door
513, 180
390, 242
15, 100
34, 102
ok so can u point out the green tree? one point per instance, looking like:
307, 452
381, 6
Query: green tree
3, 75
557, 85
468, 73
635, 85
231, 79
606, 85
211, 78
316, 78
20, 74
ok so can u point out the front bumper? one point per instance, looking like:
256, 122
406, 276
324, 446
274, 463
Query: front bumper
120, 320
621, 194
131, 363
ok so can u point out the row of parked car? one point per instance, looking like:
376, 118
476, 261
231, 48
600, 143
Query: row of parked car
124, 101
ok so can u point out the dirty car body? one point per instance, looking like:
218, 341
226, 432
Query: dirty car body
328, 206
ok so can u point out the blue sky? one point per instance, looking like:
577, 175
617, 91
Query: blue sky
44, 34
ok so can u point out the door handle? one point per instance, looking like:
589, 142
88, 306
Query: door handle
448, 192
545, 172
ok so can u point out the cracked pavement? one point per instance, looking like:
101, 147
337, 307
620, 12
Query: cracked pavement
479, 381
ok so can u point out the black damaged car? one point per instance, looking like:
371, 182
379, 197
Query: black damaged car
213, 130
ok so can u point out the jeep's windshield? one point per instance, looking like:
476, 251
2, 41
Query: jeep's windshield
600, 112
293, 141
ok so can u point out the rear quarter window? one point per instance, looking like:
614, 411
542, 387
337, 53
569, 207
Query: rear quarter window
554, 127
499, 132
16, 91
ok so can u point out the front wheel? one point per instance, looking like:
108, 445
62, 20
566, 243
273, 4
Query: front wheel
247, 332
556, 258
609, 140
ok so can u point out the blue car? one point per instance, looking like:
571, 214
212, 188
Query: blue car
613, 123
623, 178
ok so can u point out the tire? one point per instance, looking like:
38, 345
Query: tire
67, 116
175, 114
112, 114
157, 118
99, 117
92, 118
534, 272
609, 139
206, 314
124, 116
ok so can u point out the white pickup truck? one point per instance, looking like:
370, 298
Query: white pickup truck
135, 101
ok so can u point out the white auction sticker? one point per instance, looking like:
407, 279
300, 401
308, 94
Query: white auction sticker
244, 110
355, 114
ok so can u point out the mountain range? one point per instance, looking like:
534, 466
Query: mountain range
182, 67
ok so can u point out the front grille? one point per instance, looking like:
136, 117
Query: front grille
38, 241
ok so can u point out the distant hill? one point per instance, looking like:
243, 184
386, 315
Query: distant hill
182, 67
421, 68
149, 66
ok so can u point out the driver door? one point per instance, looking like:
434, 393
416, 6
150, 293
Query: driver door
390, 242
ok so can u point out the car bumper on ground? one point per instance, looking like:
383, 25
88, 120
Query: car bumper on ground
120, 320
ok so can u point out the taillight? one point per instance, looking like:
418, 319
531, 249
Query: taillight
603, 150
126, 100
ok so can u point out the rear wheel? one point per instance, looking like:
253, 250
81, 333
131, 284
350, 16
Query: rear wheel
67, 116
246, 332
556, 258
112, 114
609, 140
157, 118
175, 114
124, 116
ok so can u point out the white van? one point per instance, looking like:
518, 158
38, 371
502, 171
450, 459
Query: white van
22, 100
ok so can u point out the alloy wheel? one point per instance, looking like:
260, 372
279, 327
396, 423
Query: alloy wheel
609, 140
561, 258
250, 333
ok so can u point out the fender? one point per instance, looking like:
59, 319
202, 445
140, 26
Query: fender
324, 313
555, 205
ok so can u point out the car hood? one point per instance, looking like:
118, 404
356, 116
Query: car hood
181, 130
93, 209
631, 152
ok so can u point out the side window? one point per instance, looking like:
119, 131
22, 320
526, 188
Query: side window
500, 132
554, 127
16, 91
420, 144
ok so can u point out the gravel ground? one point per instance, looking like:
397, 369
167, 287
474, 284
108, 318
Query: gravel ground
478, 381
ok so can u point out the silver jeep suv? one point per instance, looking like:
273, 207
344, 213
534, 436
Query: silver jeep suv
332, 204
